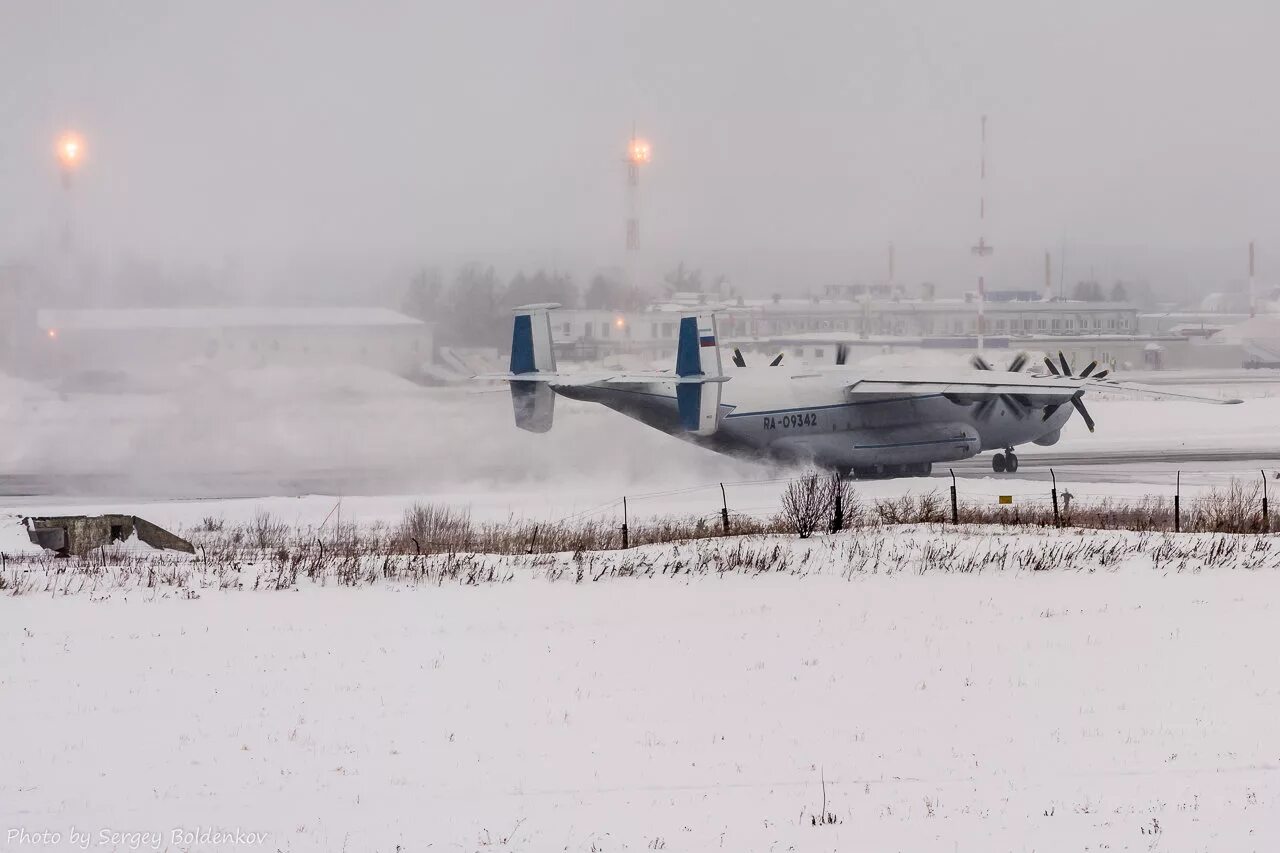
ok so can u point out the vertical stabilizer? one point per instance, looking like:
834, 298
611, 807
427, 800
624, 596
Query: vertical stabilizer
531, 350
698, 358
532, 402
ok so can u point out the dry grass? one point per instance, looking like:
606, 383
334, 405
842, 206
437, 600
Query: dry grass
437, 544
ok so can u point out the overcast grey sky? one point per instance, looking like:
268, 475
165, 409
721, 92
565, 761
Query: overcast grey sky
807, 134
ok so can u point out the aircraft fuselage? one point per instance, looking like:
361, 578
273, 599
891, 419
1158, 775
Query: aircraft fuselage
789, 415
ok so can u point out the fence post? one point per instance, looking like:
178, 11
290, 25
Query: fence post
955, 506
624, 522
724, 511
533, 540
1266, 519
1057, 522
1177, 505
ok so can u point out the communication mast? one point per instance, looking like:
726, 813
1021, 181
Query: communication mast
70, 150
982, 250
1253, 293
638, 154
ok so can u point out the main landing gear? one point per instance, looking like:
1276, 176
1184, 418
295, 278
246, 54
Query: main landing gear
1006, 462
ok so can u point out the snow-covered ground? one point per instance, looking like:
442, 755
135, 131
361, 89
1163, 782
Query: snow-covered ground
1124, 701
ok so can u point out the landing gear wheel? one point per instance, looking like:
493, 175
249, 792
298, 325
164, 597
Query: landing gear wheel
1011, 463
997, 463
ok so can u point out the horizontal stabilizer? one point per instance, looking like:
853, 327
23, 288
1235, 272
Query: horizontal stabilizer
593, 377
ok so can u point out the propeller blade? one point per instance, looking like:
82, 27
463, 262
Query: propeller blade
1049, 410
776, 360
979, 363
984, 408
738, 360
842, 353
1019, 362
1088, 369
1019, 410
1049, 364
1066, 368
1084, 413
1101, 374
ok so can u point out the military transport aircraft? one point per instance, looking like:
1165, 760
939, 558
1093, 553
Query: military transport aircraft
861, 423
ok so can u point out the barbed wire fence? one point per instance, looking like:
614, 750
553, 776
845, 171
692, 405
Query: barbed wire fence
1237, 505
746, 506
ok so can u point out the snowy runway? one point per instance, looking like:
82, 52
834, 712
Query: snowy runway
1118, 709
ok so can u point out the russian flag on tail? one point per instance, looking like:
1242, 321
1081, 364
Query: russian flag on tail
706, 340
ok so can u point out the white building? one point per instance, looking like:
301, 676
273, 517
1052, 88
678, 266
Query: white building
142, 338
651, 334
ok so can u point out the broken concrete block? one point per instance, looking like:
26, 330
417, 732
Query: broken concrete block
79, 534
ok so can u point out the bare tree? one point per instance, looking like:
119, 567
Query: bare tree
839, 502
805, 503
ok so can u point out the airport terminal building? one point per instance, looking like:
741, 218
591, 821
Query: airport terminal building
881, 321
594, 334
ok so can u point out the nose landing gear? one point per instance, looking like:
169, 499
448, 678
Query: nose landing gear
1006, 462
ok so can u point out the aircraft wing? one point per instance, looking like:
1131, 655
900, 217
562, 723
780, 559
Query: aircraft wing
1135, 390
1029, 389
1040, 392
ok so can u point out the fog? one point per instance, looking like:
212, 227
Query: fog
338, 431
344, 144
296, 153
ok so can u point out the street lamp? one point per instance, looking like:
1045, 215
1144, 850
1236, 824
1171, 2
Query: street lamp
70, 152
638, 152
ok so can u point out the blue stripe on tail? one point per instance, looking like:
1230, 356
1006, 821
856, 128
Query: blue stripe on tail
689, 403
522, 345
688, 359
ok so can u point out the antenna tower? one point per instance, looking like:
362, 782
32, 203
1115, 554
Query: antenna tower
983, 250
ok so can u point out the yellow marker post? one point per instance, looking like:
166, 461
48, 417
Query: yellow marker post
1006, 499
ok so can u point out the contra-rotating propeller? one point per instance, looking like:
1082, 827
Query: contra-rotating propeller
740, 361
1075, 401
1018, 404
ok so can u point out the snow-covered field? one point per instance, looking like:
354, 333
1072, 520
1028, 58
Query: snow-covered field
1125, 701
938, 693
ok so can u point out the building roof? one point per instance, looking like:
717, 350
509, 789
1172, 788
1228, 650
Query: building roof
1265, 327
948, 306
119, 319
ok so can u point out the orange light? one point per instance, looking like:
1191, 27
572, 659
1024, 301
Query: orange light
70, 150
53, 334
638, 151
619, 322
